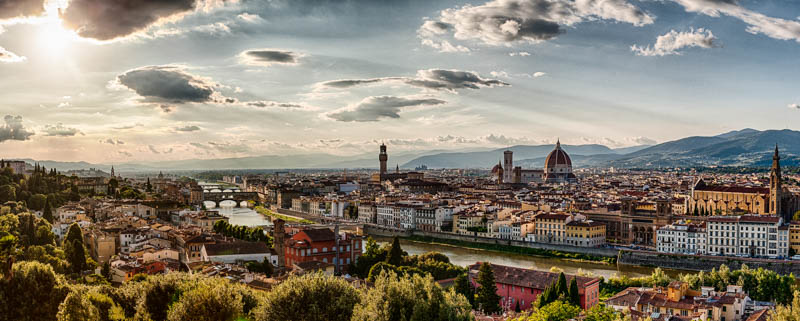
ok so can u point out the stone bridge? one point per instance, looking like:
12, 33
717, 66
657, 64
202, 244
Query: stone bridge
237, 197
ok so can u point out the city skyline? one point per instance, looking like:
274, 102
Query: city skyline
215, 79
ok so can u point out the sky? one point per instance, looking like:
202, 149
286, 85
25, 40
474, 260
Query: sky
117, 81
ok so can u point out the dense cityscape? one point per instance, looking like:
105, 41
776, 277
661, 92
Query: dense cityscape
399, 160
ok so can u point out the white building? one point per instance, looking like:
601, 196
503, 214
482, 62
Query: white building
444, 218
385, 215
681, 238
366, 213
747, 235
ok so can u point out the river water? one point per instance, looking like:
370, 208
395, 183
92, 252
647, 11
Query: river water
239, 215
465, 256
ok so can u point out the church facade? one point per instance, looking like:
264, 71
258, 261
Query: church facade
708, 199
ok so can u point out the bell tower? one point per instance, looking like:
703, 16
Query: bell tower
383, 157
775, 186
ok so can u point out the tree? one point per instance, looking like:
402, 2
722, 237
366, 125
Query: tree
47, 212
8, 193
554, 311
311, 297
790, 312
215, 299
76, 307
33, 292
106, 271
516, 308
74, 233
486, 295
561, 288
76, 256
574, 296
796, 216
414, 298
36, 202
601, 312
463, 286
395, 256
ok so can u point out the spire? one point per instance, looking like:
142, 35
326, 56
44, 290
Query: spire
558, 143
776, 156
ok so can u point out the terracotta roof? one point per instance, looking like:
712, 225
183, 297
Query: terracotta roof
320, 234
760, 315
732, 189
557, 157
529, 278
238, 247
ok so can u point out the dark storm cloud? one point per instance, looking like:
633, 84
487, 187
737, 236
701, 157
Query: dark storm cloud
14, 129
379, 107
169, 84
20, 8
110, 19
266, 57
434, 79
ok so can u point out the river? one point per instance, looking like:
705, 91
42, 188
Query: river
239, 215
466, 256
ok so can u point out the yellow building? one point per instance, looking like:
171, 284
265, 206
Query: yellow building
586, 233
551, 228
714, 200
794, 237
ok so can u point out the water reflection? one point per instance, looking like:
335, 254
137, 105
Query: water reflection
238, 215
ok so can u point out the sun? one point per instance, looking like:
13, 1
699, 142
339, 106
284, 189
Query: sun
51, 36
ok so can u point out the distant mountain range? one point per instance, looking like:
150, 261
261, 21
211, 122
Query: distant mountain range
746, 147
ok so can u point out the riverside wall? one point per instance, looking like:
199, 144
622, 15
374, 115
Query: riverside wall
596, 251
703, 262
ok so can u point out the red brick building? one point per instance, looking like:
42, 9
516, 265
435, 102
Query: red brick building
524, 285
319, 244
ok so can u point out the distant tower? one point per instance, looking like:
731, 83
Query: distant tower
383, 157
112, 171
508, 166
397, 169
775, 187
278, 234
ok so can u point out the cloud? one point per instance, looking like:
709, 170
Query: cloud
223, 147
8, 56
14, 129
267, 103
171, 84
794, 106
268, 57
128, 126
10, 9
375, 108
672, 42
539, 74
520, 53
429, 32
251, 18
111, 19
503, 22
758, 23
433, 79
112, 141
153, 149
188, 128
60, 130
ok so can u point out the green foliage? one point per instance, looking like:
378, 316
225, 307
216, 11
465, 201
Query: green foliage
33, 292
759, 284
616, 284
241, 232
463, 286
47, 212
209, 301
561, 286
486, 297
395, 256
788, 312
261, 267
76, 307
555, 311
413, 298
601, 312
372, 255
574, 295
105, 271
37, 202
311, 297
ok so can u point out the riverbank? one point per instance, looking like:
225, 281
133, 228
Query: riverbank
263, 211
576, 257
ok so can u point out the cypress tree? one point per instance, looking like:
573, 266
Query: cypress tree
464, 287
561, 286
47, 213
574, 296
486, 297
395, 253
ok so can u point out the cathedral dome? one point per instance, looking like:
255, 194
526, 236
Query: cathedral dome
558, 159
